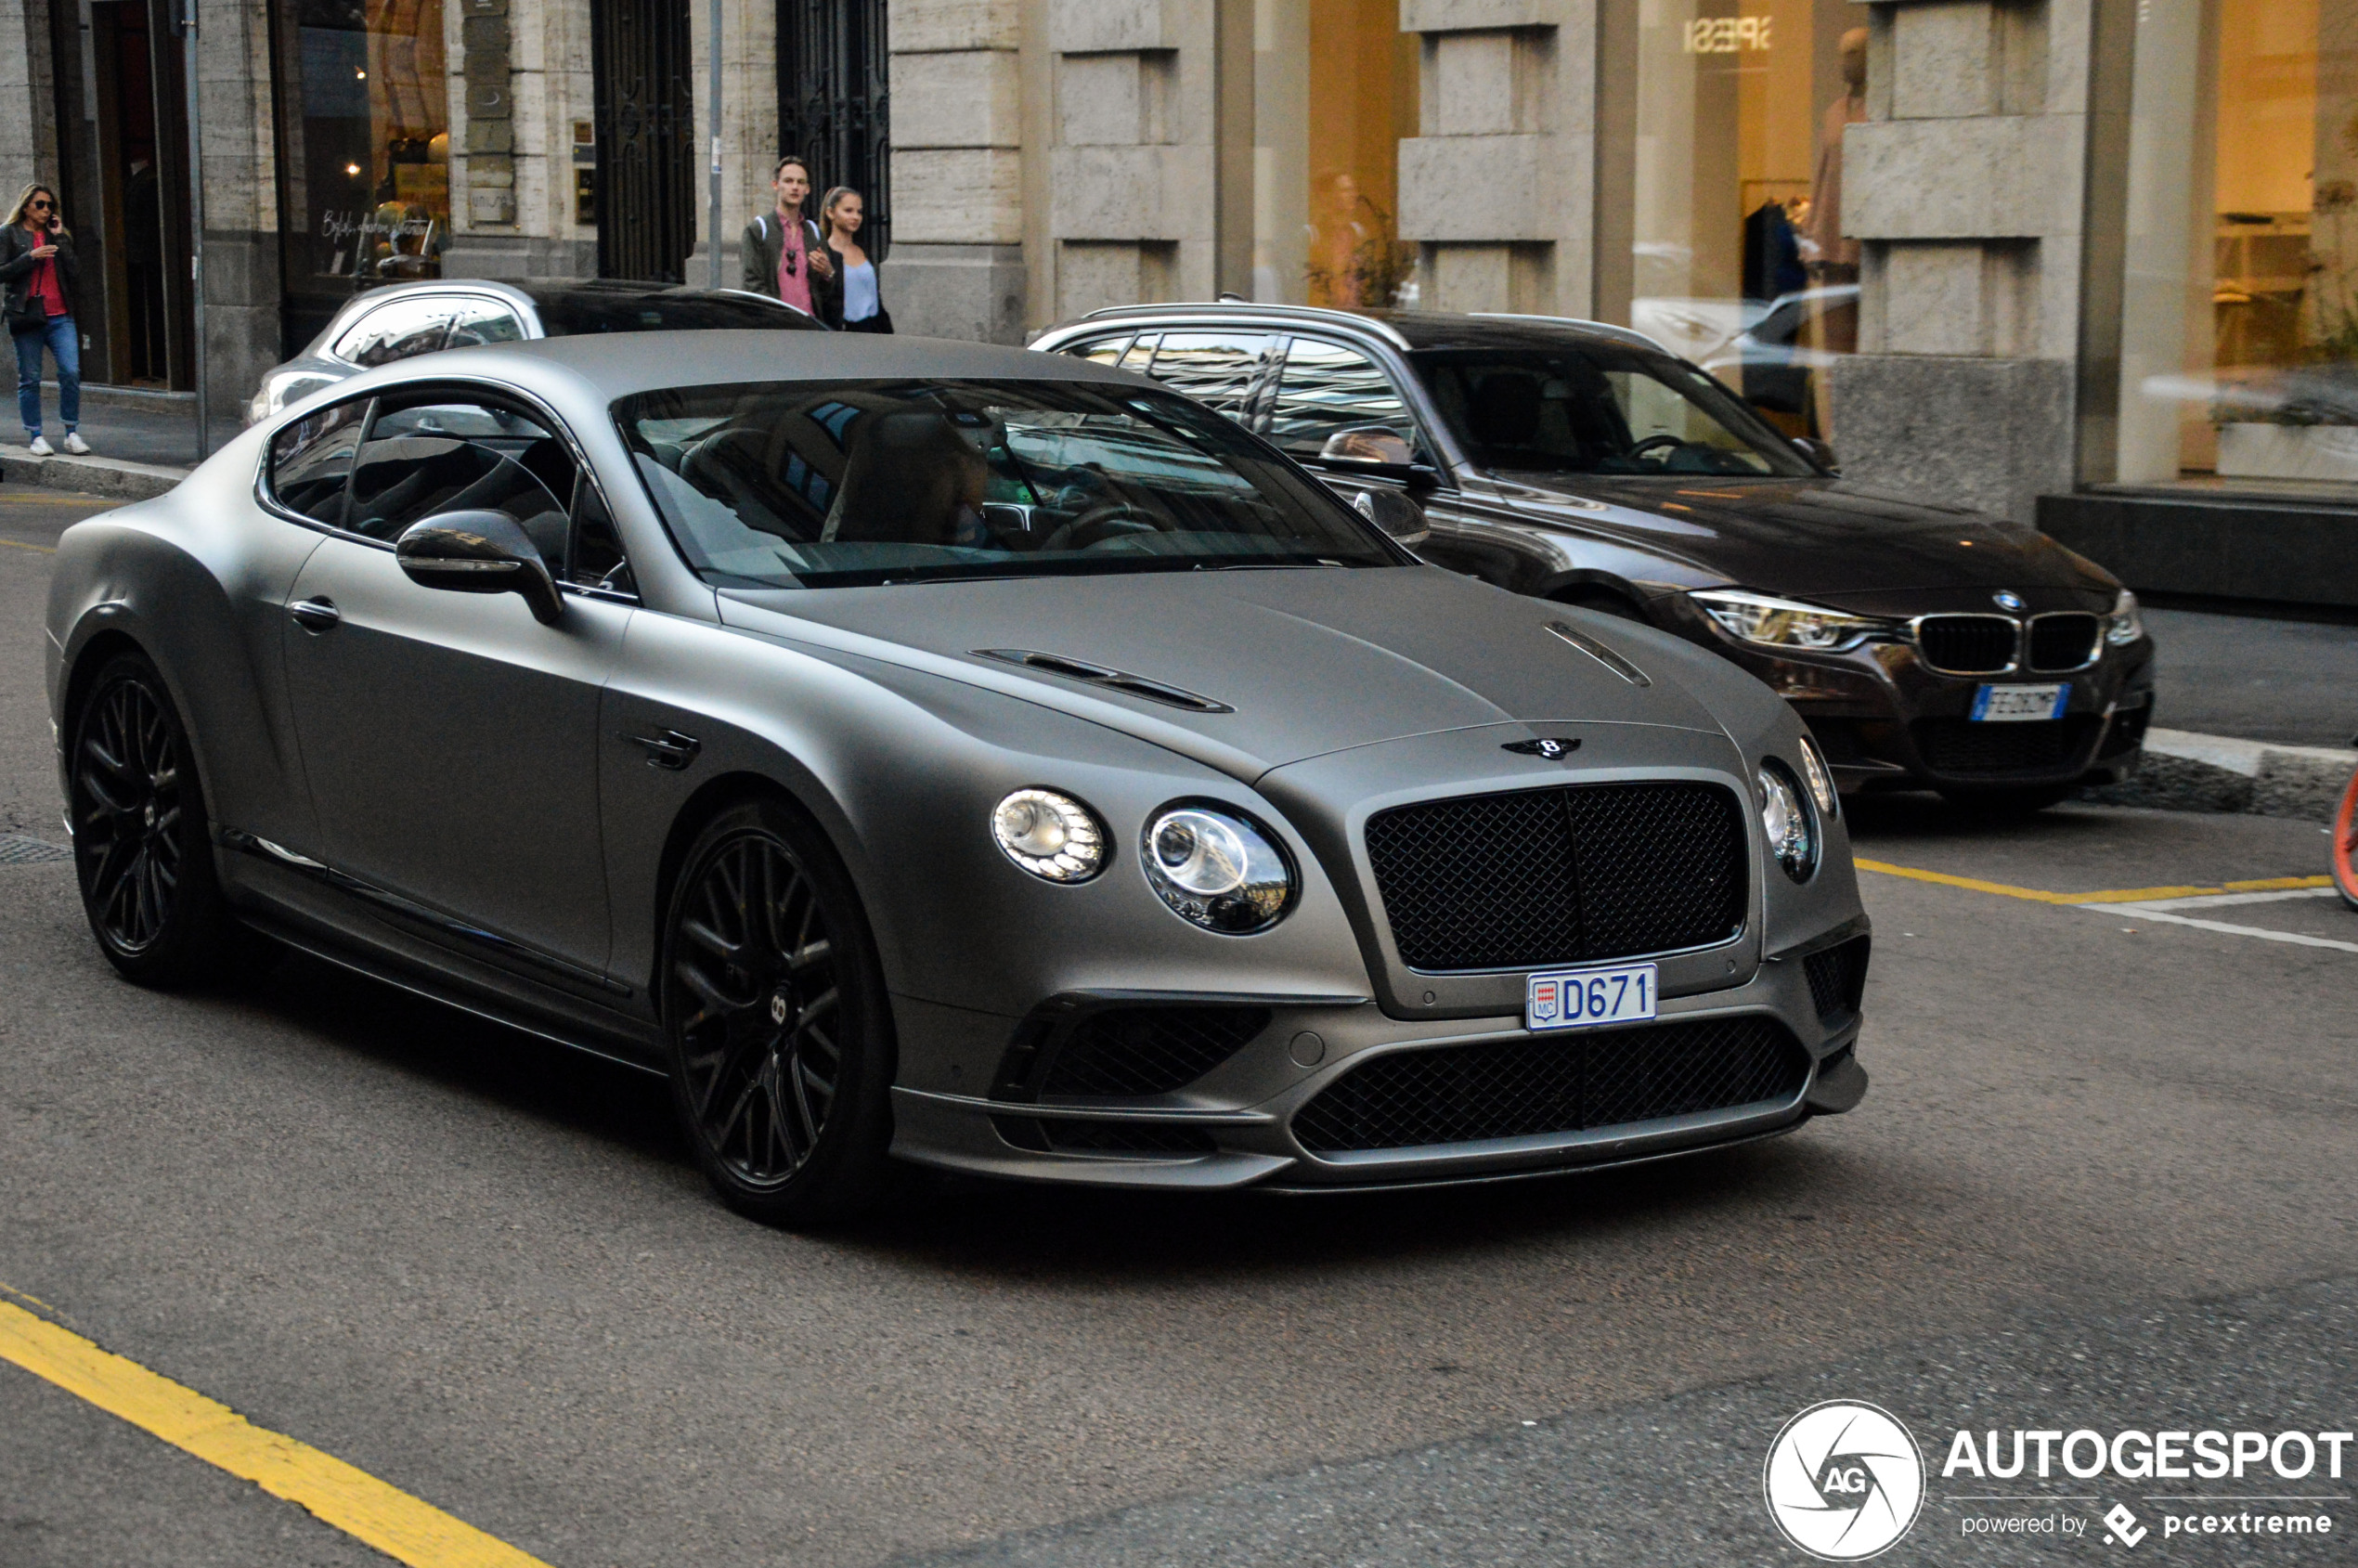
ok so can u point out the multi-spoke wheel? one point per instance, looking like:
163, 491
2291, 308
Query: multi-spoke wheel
2345, 853
140, 842
774, 1015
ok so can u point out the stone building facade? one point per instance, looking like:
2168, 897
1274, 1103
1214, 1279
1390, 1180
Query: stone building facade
2077, 260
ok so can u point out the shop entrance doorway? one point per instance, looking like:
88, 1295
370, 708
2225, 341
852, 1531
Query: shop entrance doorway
143, 193
646, 139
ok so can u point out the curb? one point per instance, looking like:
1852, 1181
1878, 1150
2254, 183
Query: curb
97, 476
2185, 772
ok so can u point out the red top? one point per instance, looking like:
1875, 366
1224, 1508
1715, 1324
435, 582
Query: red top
793, 269
44, 288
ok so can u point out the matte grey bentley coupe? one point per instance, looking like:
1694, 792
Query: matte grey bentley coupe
977, 758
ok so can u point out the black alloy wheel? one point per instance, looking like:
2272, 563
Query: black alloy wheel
141, 844
775, 1020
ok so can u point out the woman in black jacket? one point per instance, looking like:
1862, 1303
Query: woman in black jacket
859, 304
40, 278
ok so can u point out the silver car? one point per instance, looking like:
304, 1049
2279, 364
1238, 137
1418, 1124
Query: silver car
953, 754
408, 319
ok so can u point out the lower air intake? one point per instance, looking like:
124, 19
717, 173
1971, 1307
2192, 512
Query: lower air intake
1520, 1088
1837, 978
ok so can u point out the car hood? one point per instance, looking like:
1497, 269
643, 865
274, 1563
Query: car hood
1308, 661
1821, 539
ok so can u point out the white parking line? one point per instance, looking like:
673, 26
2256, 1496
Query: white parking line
2161, 909
2213, 900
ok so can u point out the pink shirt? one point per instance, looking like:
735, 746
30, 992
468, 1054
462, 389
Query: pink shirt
794, 268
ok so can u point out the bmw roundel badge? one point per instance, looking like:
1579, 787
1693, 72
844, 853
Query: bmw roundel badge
2007, 598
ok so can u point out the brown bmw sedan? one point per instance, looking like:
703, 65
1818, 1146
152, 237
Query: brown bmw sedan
1924, 645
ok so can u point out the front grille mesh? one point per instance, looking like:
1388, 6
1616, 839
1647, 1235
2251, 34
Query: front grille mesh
1560, 876
1602, 1077
1132, 1051
1837, 978
1960, 748
2062, 642
1967, 644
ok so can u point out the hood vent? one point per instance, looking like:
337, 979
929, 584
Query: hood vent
1098, 675
1602, 654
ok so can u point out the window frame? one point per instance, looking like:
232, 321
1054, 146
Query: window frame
1405, 386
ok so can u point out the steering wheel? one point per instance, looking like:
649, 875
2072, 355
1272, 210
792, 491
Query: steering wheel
1105, 521
1657, 443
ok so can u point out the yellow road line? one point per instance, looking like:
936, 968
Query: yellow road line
2111, 896
20, 544
353, 1501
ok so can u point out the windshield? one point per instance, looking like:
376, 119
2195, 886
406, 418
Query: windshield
564, 312
830, 484
1599, 409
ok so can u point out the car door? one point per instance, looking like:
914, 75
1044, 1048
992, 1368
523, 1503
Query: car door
1324, 387
450, 739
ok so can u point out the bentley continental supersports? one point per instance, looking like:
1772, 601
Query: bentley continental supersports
924, 751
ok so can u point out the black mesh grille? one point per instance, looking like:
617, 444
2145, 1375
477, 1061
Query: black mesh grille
2062, 642
1559, 876
1148, 1049
2046, 745
1837, 978
1043, 1135
1967, 644
1603, 1078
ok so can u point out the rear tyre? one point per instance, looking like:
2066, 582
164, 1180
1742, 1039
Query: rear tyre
2345, 851
775, 1023
142, 844
2009, 802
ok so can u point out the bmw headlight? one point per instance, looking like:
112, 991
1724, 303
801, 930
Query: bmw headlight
1216, 870
2124, 625
1786, 819
1784, 623
1820, 778
1053, 836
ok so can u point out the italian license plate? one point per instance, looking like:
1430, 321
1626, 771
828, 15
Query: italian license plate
1583, 998
2015, 705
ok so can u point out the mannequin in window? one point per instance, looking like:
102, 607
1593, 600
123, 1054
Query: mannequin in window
1832, 256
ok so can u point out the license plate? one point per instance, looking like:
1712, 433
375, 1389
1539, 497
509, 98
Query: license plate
2016, 705
1583, 998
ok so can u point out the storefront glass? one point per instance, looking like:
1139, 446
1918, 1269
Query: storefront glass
1739, 263
364, 149
2239, 321
1334, 93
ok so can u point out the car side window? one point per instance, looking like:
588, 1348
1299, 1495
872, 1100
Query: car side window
481, 320
1101, 351
595, 559
311, 461
396, 331
430, 454
1222, 370
1325, 387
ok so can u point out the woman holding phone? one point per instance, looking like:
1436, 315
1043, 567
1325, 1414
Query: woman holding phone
38, 280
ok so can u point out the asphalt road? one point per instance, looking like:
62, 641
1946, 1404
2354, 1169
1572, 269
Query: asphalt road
2102, 1180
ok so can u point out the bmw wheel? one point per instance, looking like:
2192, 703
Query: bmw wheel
142, 850
775, 1021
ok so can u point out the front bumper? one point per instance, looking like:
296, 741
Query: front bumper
1886, 720
1235, 1126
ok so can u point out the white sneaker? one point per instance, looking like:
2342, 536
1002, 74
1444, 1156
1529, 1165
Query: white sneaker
76, 444
40, 448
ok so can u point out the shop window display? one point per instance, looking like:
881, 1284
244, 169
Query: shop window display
1334, 93
2239, 323
364, 163
1740, 260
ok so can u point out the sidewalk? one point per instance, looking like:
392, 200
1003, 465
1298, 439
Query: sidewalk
142, 444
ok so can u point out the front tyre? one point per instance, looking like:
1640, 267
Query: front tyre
2345, 841
775, 1023
142, 845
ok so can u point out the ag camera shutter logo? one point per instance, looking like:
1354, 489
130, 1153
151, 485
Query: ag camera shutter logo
1844, 1481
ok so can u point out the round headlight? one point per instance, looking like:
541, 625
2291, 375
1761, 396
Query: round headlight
1786, 818
1820, 778
1216, 870
1053, 836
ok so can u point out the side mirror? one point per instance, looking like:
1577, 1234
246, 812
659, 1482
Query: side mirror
1398, 516
1380, 451
479, 553
1817, 451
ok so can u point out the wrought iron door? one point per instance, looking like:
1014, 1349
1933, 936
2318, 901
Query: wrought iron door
833, 107
646, 139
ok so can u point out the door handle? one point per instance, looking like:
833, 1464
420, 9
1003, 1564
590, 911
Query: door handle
315, 614
669, 750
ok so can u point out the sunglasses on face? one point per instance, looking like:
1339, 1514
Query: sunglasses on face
37, 206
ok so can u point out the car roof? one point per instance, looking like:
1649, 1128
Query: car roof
1401, 329
617, 363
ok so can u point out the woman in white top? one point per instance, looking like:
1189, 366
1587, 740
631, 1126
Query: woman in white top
862, 305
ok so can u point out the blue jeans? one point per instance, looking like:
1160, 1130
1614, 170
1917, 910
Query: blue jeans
65, 346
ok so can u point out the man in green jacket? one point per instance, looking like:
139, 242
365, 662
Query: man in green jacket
786, 256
